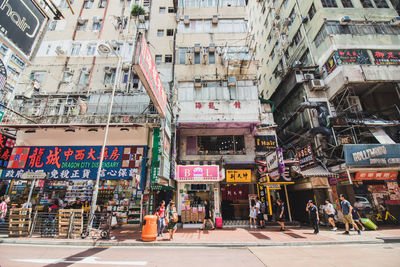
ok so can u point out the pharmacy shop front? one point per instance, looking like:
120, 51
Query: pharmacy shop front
195, 184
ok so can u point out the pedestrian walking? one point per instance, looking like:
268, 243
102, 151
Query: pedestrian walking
347, 218
207, 216
260, 215
331, 212
253, 214
3, 209
160, 212
357, 217
280, 214
314, 216
173, 220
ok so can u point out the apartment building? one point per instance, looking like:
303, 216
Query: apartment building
217, 107
330, 68
62, 99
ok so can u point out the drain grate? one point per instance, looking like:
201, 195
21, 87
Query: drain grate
260, 236
294, 235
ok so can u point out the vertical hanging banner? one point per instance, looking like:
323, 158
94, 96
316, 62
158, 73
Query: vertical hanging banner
148, 74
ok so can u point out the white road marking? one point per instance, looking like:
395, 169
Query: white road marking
87, 260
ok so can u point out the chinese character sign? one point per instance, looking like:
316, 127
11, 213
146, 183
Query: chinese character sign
306, 157
76, 162
6, 146
386, 57
148, 74
238, 176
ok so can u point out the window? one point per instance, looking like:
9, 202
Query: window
160, 33
329, 3
347, 3
197, 58
84, 77
311, 12
162, 10
82, 25
17, 60
109, 77
182, 55
297, 37
170, 32
102, 3
96, 24
211, 58
158, 59
171, 10
366, 3
38, 76
91, 49
220, 144
76, 49
52, 26
67, 76
88, 4
3, 49
381, 4
168, 58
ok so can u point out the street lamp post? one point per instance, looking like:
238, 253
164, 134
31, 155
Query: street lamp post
105, 49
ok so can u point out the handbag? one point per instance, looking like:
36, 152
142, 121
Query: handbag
175, 217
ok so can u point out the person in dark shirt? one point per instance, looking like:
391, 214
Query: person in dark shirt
77, 205
280, 214
314, 216
357, 217
347, 212
207, 217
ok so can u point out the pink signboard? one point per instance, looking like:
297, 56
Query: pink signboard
198, 173
148, 75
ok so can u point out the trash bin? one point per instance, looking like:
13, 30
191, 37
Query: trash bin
149, 231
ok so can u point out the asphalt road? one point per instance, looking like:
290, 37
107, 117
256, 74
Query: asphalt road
343, 255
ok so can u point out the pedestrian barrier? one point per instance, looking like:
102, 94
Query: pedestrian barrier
149, 231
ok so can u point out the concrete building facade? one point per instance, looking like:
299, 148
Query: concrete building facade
330, 69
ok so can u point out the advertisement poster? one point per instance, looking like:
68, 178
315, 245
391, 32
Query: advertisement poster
265, 143
306, 157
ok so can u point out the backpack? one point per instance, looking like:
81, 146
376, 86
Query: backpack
263, 208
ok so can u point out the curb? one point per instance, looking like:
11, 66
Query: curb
209, 244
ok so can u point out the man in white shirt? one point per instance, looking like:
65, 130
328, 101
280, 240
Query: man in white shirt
331, 212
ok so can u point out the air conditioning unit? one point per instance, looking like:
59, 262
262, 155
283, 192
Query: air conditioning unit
317, 85
85, 70
197, 83
215, 19
81, 20
60, 51
297, 64
299, 76
114, 44
212, 47
68, 70
186, 20
345, 20
286, 22
231, 81
197, 48
96, 19
308, 76
142, 19
108, 70
395, 21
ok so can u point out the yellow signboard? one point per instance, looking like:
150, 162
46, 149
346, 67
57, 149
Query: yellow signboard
238, 176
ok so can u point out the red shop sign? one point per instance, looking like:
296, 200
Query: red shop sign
360, 176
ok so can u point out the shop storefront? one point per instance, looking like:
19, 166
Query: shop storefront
195, 184
374, 170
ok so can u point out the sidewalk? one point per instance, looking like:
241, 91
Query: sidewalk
228, 237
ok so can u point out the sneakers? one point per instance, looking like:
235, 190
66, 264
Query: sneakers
334, 229
363, 229
346, 233
359, 232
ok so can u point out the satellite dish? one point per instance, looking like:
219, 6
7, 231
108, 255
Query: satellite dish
104, 49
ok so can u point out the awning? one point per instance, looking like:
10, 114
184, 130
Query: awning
317, 172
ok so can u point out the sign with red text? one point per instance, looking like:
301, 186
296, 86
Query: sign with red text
6, 146
76, 162
198, 173
306, 157
387, 57
363, 176
148, 75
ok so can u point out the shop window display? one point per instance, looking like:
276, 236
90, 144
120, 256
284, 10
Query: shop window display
220, 144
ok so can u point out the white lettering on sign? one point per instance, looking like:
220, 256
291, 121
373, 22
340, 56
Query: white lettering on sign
17, 20
369, 153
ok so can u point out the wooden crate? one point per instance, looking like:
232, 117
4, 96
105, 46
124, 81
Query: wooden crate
70, 223
20, 222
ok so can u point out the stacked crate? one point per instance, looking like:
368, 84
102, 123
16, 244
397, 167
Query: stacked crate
20, 222
70, 223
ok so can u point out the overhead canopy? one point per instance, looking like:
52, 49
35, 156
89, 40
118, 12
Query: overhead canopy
317, 171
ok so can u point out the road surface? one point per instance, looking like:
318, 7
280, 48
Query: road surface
338, 255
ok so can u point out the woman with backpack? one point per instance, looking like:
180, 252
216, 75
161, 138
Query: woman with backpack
331, 212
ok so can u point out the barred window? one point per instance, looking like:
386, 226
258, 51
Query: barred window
367, 4
347, 3
381, 4
329, 3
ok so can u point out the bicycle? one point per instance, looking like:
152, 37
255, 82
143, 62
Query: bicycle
103, 230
